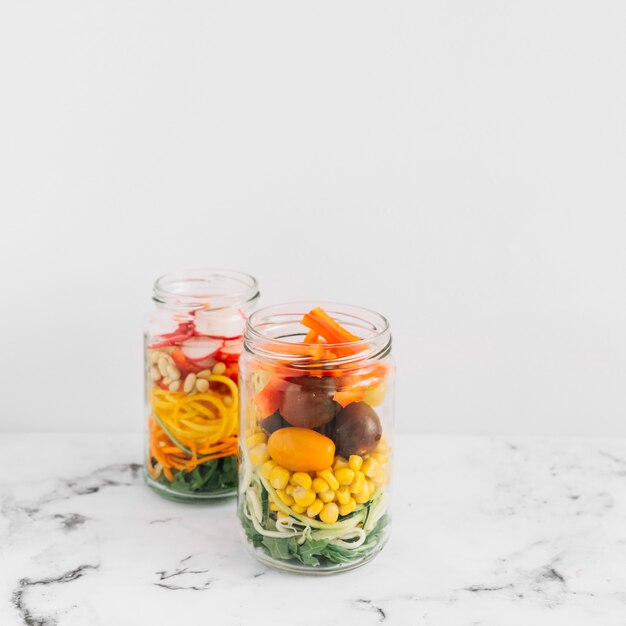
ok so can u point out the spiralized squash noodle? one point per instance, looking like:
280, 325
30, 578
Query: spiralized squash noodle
187, 430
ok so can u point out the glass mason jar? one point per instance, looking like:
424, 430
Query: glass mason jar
192, 344
315, 424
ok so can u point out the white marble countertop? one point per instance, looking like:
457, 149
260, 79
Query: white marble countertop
489, 531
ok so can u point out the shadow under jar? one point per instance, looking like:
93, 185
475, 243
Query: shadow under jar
316, 419
193, 340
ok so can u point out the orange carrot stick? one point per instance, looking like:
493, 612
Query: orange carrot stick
217, 455
328, 332
340, 331
311, 337
322, 328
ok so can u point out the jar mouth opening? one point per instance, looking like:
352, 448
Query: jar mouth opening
272, 332
205, 288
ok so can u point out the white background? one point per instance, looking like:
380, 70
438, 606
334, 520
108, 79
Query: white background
459, 166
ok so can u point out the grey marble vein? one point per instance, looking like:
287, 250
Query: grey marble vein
19, 597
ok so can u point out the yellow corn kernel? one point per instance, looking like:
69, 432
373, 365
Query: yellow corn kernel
302, 479
319, 484
344, 476
329, 513
279, 477
348, 507
371, 485
281, 515
285, 497
355, 462
259, 454
315, 508
370, 467
380, 477
303, 497
343, 494
289, 489
266, 468
364, 495
356, 486
382, 459
362, 498
326, 496
329, 477
339, 463
256, 439
273, 506
296, 508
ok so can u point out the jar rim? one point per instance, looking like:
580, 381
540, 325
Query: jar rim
259, 341
205, 288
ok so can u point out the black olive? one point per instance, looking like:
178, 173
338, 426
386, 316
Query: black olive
308, 401
357, 429
274, 422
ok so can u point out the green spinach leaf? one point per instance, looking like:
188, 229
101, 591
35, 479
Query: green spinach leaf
214, 475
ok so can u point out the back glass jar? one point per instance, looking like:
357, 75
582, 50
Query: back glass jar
193, 340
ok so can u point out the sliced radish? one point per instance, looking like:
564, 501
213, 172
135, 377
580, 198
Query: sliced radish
199, 348
231, 353
219, 323
226, 340
232, 348
172, 341
206, 364
184, 328
233, 341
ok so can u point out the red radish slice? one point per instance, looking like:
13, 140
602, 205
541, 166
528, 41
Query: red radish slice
231, 353
232, 349
233, 341
218, 323
184, 328
172, 341
199, 348
206, 364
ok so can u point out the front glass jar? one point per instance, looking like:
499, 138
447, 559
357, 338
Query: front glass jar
316, 418
192, 344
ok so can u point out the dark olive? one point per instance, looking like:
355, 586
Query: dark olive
274, 422
357, 429
308, 401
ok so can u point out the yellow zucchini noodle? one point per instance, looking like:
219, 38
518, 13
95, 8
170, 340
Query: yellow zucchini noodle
204, 423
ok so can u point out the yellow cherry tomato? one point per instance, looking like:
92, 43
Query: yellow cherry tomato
301, 449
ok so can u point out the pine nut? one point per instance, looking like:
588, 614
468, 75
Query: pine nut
219, 368
173, 372
204, 374
190, 382
168, 381
163, 366
154, 356
202, 385
175, 386
154, 373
